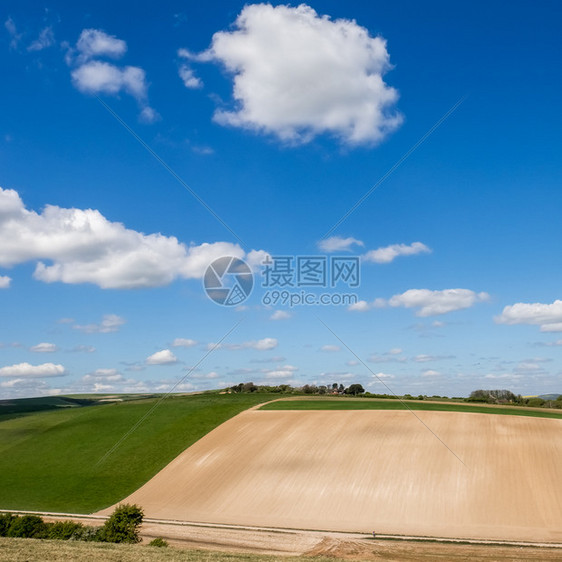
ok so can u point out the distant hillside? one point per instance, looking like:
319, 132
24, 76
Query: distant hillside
549, 396
24, 405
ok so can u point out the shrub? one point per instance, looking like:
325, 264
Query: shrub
64, 530
27, 527
158, 542
5, 522
123, 525
88, 534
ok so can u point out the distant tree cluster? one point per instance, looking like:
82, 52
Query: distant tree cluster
495, 397
335, 389
507, 397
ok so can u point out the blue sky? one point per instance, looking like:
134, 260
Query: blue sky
280, 118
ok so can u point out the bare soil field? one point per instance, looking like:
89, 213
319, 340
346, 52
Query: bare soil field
364, 471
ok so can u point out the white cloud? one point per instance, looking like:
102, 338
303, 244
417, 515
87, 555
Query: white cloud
430, 373
424, 358
5, 281
390, 253
110, 323
44, 348
164, 357
284, 372
46, 39
338, 244
92, 76
330, 348
33, 371
280, 315
188, 77
297, 75
359, 306
11, 28
547, 316
264, 344
395, 351
95, 77
431, 303
84, 247
103, 376
95, 43
376, 379
183, 342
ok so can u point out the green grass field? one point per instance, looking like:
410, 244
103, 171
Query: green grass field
374, 404
48, 459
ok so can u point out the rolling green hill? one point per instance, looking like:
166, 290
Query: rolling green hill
50, 460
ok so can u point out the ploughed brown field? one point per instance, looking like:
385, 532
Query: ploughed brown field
369, 470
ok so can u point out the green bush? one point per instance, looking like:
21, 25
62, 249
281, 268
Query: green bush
5, 522
28, 527
64, 530
123, 525
88, 534
158, 542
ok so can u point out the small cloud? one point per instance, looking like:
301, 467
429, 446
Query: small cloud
83, 349
338, 244
280, 315
188, 78
46, 39
430, 373
330, 348
65, 321
149, 115
10, 26
95, 43
44, 348
183, 342
110, 323
388, 254
5, 282
164, 357
264, 344
432, 303
33, 371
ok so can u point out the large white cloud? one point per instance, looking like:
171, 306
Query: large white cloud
27, 370
431, 303
387, 254
548, 316
298, 74
82, 246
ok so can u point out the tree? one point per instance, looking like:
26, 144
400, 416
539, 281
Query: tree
123, 525
355, 389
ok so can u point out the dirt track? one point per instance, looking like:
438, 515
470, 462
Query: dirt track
360, 471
